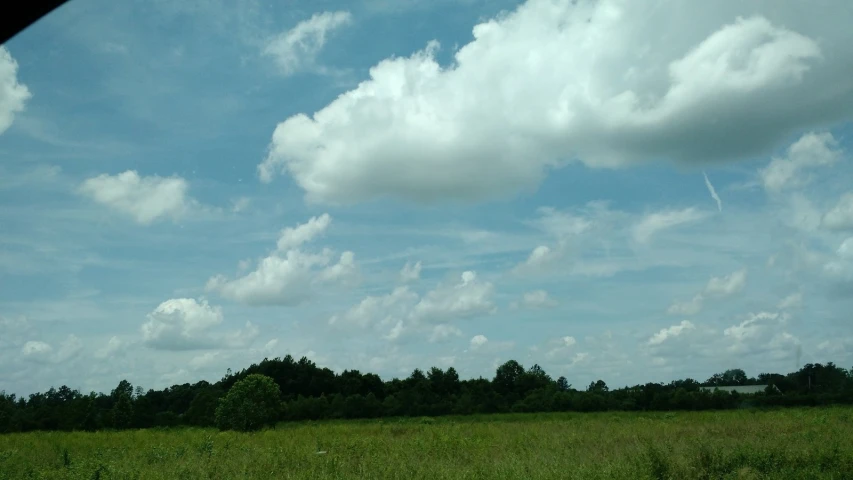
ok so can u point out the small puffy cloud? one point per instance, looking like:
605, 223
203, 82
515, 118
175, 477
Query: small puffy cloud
562, 225
845, 250
481, 345
477, 341
403, 313
345, 271
536, 299
396, 332
37, 351
562, 350
239, 339
836, 347
673, 331
69, 348
444, 332
750, 328
271, 345
240, 204
204, 360
382, 311
468, 298
13, 95
296, 50
411, 272
838, 269
289, 275
181, 324
810, 151
425, 132
146, 199
277, 280
540, 258
727, 285
840, 217
653, 223
801, 213
794, 300
42, 352
690, 307
114, 345
294, 237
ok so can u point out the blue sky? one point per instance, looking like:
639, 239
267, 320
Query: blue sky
627, 195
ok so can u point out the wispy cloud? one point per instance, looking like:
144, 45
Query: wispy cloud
296, 50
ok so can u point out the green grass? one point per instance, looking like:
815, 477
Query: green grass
780, 444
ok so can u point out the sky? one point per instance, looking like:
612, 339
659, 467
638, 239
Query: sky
628, 191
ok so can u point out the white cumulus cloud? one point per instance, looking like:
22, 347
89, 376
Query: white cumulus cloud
289, 275
146, 199
468, 298
690, 307
841, 216
794, 300
606, 82
403, 313
762, 333
114, 346
293, 237
42, 352
37, 350
478, 341
726, 285
810, 151
13, 94
672, 331
181, 324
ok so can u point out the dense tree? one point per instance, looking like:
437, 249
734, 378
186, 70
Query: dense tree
598, 386
250, 404
122, 411
300, 390
202, 409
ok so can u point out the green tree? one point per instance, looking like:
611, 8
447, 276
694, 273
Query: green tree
597, 386
507, 376
122, 412
124, 388
202, 409
250, 404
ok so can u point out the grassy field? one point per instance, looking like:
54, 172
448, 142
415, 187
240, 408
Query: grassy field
780, 444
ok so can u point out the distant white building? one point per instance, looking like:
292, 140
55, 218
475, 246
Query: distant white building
741, 389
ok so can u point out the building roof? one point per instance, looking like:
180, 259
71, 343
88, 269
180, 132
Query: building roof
742, 389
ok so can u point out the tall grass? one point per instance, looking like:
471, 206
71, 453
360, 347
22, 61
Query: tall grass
782, 444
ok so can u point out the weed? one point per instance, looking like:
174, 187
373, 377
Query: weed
791, 444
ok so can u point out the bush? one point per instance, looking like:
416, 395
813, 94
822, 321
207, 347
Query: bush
250, 404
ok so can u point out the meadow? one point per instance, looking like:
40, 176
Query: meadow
813, 443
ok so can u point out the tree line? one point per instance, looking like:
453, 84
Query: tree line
305, 391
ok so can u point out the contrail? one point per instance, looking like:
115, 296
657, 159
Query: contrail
713, 192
